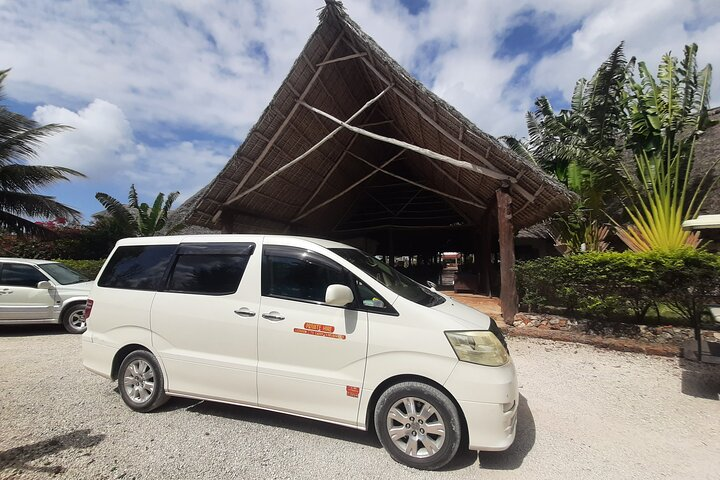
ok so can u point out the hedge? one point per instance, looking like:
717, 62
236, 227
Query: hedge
612, 283
86, 267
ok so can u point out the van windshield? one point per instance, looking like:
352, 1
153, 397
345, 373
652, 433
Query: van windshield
391, 278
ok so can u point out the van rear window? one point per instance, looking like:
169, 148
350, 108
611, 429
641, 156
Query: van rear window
137, 267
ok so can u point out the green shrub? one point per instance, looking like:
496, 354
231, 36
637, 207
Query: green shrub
614, 284
86, 267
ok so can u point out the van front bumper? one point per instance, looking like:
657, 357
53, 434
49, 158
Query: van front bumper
489, 398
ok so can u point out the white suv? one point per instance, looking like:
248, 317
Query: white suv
302, 326
39, 291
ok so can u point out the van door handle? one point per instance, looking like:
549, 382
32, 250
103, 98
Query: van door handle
245, 312
274, 316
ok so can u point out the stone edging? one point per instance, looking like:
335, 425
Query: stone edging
620, 344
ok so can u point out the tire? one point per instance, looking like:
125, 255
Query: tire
73, 318
141, 382
402, 415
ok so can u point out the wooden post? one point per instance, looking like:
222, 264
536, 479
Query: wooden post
508, 290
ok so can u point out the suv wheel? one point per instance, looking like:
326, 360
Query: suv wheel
73, 318
141, 382
418, 425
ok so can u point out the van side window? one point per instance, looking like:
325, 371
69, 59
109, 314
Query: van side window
20, 275
207, 274
137, 267
371, 301
298, 274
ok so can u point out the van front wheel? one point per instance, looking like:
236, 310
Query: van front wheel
141, 382
418, 425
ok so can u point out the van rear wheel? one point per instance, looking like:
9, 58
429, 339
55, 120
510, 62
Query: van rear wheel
418, 425
141, 382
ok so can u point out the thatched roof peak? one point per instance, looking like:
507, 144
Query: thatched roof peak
273, 184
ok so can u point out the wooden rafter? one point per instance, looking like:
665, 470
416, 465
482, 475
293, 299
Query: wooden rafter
412, 182
328, 175
376, 169
415, 148
277, 133
373, 124
341, 59
528, 196
456, 182
308, 152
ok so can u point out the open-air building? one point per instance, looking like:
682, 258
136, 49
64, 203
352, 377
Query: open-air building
353, 148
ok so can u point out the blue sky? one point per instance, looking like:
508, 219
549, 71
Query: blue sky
161, 93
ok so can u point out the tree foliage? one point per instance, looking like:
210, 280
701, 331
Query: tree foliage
20, 138
140, 219
615, 116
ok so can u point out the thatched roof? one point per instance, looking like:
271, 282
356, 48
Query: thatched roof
707, 154
408, 112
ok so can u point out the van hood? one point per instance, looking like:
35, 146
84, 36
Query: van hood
468, 316
77, 288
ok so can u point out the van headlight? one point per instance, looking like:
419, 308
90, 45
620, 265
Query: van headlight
481, 347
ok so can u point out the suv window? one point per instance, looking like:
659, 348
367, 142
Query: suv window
299, 274
207, 274
20, 275
137, 267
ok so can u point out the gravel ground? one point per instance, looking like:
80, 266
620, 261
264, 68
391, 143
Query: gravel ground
585, 413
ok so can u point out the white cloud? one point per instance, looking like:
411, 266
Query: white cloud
182, 81
650, 28
102, 145
100, 142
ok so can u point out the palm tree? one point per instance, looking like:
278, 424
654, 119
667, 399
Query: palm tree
19, 182
139, 218
579, 146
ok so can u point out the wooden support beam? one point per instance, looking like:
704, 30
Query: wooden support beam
427, 118
456, 182
372, 124
424, 115
327, 176
308, 152
376, 169
281, 128
415, 148
341, 59
508, 288
400, 177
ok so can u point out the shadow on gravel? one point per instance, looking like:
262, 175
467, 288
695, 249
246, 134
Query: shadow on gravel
19, 458
700, 380
280, 420
513, 457
32, 330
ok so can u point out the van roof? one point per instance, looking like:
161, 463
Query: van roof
230, 237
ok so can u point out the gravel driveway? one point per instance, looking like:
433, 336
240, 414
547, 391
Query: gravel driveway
585, 413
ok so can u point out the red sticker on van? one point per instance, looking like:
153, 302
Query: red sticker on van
352, 391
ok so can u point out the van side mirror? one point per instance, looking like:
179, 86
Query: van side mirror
432, 285
44, 285
338, 295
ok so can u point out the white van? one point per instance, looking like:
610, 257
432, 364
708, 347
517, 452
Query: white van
303, 326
